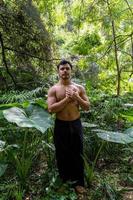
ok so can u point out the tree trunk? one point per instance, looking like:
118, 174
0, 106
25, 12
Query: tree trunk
132, 54
115, 51
4, 60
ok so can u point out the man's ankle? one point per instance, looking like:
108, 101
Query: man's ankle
80, 189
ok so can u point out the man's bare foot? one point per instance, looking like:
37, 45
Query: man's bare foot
80, 189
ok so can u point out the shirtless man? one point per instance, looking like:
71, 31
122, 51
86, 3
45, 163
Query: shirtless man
64, 99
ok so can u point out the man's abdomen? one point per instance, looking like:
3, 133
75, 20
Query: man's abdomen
71, 112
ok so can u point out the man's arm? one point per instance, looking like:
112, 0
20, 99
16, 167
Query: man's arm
82, 99
53, 105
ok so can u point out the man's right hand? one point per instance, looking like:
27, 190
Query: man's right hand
69, 93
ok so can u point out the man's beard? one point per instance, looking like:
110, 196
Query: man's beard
65, 76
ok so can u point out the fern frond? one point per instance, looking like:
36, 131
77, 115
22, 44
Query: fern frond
17, 96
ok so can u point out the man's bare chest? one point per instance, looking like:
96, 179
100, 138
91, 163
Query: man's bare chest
60, 94
61, 91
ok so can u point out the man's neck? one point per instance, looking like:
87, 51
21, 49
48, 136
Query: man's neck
65, 82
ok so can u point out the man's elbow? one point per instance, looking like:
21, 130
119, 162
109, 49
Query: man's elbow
86, 107
50, 110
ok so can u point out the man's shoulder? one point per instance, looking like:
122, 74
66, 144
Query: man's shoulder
54, 87
79, 86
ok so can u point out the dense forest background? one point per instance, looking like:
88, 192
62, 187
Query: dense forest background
97, 37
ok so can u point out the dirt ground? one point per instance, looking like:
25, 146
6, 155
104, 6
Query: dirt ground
128, 196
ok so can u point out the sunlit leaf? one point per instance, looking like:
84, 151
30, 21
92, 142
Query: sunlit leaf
35, 117
2, 144
129, 131
88, 125
128, 117
128, 105
115, 137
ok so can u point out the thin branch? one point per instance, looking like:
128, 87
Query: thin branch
4, 61
90, 9
127, 35
132, 55
129, 6
125, 52
107, 51
4, 80
122, 41
30, 55
115, 49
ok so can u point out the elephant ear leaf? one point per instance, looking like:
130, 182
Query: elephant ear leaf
3, 168
34, 116
115, 137
2, 165
129, 132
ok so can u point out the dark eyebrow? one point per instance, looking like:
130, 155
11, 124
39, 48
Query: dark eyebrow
64, 67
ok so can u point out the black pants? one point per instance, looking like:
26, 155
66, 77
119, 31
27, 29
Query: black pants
68, 141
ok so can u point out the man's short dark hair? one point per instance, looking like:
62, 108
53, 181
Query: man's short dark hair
63, 62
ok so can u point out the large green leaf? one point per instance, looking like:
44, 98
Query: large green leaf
128, 105
116, 137
128, 114
1, 115
3, 168
33, 116
129, 118
8, 105
88, 125
2, 144
129, 131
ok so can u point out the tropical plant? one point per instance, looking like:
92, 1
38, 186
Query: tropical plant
116, 137
90, 168
33, 116
106, 191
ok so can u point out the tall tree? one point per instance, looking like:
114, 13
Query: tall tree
27, 43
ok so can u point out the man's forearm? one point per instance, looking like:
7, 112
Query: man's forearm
83, 103
58, 106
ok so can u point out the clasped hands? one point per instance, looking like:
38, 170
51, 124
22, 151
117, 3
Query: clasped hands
72, 94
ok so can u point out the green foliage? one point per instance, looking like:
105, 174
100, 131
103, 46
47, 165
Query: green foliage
8, 190
86, 43
4, 151
35, 35
18, 194
108, 111
128, 113
58, 190
23, 167
3, 168
33, 116
117, 137
26, 43
93, 148
21, 96
90, 169
106, 191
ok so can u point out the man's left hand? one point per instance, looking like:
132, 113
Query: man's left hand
72, 93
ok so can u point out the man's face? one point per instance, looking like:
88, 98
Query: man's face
64, 71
